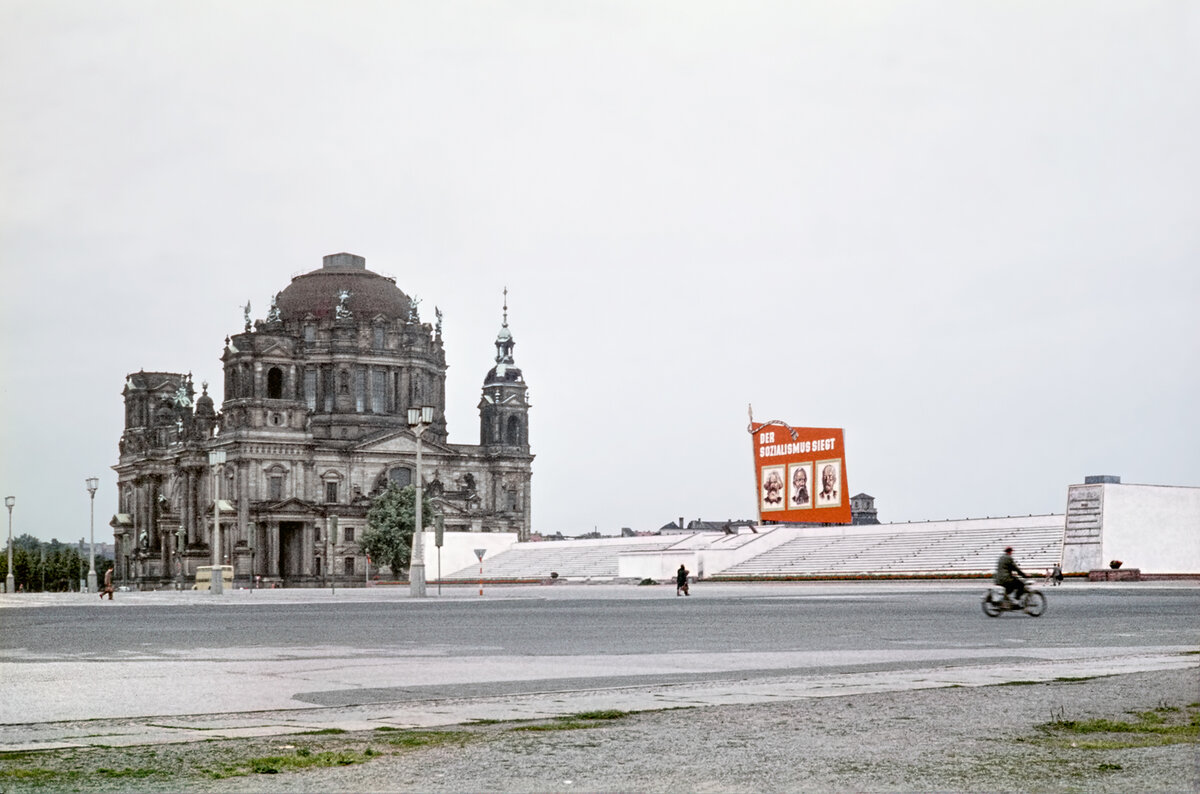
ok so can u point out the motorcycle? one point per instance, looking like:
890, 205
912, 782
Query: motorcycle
995, 601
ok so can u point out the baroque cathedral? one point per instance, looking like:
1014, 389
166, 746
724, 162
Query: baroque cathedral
313, 425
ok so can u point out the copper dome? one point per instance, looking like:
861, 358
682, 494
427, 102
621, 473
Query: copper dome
318, 293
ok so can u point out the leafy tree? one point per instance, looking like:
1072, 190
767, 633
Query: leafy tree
390, 520
51, 567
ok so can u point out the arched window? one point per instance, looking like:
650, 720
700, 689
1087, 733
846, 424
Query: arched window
400, 476
274, 383
512, 433
276, 479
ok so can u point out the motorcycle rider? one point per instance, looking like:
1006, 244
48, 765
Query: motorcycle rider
1006, 568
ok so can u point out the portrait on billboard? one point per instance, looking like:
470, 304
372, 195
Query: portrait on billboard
771, 492
799, 477
829, 489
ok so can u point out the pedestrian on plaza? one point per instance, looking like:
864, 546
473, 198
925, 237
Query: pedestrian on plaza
681, 581
1056, 575
108, 588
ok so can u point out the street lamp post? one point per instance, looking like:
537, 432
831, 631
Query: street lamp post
217, 587
179, 544
10, 583
419, 419
92, 484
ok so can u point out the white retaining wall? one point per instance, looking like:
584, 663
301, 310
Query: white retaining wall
702, 553
1155, 528
458, 550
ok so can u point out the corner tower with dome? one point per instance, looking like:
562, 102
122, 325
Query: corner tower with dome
313, 425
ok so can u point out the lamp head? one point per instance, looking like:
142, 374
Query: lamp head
420, 416
92, 484
9, 501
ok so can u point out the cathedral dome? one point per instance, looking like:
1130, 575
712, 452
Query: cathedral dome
319, 293
204, 403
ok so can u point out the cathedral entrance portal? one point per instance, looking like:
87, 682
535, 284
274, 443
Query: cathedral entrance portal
291, 548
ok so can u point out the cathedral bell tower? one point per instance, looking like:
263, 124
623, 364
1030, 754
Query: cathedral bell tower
504, 407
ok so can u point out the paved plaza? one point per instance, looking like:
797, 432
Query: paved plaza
168, 667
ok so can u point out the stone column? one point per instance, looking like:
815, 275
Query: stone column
526, 509
154, 509
166, 541
242, 498
189, 505
119, 552
136, 514
273, 548
306, 550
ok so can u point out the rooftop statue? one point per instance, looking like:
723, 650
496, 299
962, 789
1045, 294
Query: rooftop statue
343, 311
273, 315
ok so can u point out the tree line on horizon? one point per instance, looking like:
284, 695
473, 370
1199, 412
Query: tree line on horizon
49, 567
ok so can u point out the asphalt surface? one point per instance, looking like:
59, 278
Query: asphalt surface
169, 667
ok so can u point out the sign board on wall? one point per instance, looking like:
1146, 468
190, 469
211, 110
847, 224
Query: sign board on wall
800, 473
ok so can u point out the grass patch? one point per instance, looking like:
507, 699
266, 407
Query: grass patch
561, 725
1164, 725
322, 732
186, 764
34, 775
18, 755
1019, 683
575, 722
605, 714
1074, 679
303, 758
428, 738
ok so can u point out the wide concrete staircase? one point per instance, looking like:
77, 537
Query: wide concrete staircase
905, 553
968, 547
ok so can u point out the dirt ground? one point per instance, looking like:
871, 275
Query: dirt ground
1031, 737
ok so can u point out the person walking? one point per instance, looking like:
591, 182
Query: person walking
681, 581
108, 588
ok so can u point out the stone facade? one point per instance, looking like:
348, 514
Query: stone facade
312, 426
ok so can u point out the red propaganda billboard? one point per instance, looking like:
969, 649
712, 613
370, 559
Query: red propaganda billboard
800, 473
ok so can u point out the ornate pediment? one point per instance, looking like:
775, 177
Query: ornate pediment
289, 506
397, 442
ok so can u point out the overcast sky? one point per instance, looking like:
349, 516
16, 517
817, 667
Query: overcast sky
967, 233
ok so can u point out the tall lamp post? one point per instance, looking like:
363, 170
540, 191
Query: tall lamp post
216, 458
419, 419
180, 539
10, 583
92, 484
